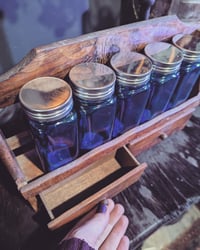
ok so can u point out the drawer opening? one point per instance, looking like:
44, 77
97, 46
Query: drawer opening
89, 191
86, 183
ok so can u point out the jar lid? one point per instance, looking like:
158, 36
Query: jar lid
166, 57
92, 81
46, 98
189, 45
131, 68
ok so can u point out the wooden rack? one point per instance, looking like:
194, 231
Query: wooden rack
73, 189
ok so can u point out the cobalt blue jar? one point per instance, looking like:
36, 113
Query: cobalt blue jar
93, 86
190, 67
48, 105
133, 72
166, 59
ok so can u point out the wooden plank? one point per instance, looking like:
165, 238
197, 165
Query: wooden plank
58, 58
28, 163
19, 140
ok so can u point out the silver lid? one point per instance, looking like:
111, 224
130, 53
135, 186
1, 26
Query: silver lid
189, 45
131, 68
92, 81
166, 57
46, 99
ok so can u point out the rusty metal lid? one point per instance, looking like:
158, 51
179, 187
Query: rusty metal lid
166, 57
46, 98
189, 45
92, 81
131, 68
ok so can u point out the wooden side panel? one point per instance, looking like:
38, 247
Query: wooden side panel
8, 158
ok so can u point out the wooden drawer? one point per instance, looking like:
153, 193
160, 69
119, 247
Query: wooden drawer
80, 192
162, 126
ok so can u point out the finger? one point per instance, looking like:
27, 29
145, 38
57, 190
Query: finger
92, 213
91, 229
124, 243
115, 215
115, 236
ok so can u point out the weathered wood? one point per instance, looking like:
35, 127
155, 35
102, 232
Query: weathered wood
58, 58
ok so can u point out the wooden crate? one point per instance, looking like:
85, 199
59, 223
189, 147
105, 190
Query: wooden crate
73, 189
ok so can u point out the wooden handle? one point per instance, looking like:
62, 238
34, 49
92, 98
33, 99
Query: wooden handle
58, 58
8, 159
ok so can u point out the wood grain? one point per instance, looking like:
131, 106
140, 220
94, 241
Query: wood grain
58, 58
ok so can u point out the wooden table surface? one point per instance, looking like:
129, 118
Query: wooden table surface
169, 186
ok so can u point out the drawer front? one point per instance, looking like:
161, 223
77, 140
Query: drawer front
79, 193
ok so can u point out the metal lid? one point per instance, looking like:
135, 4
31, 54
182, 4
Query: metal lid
131, 68
46, 98
189, 45
166, 57
92, 81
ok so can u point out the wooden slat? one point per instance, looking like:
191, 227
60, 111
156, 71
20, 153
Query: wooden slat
19, 140
58, 58
28, 163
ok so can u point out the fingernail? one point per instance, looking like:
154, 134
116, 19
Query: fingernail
102, 207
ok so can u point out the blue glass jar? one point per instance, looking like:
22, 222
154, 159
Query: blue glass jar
48, 105
190, 67
166, 59
133, 72
93, 86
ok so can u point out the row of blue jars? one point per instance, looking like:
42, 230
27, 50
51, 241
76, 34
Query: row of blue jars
146, 86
